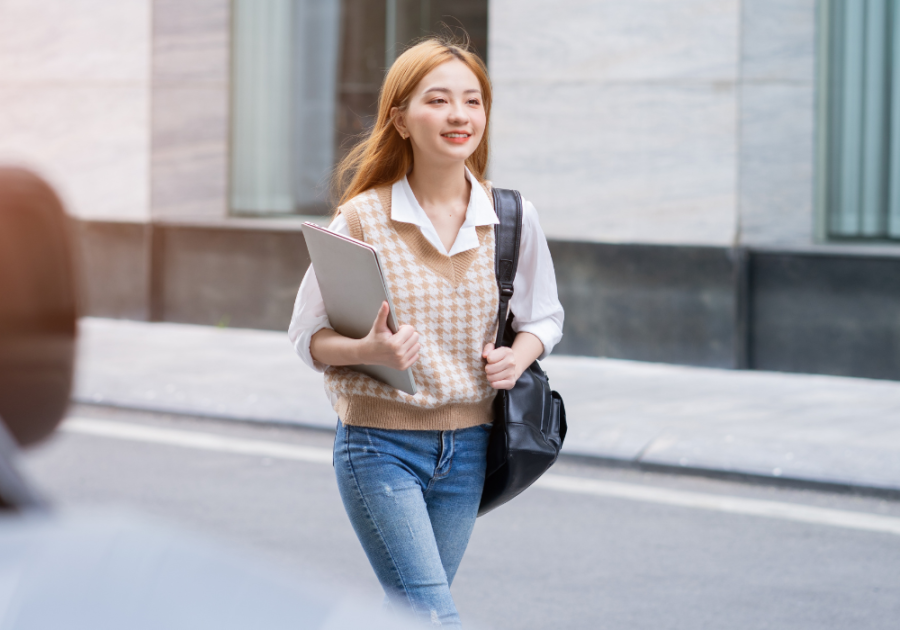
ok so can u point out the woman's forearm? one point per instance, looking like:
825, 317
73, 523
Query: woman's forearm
527, 348
332, 348
505, 365
398, 350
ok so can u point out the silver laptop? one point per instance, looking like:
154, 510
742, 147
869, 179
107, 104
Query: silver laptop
353, 289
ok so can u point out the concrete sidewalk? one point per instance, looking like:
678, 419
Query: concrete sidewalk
813, 428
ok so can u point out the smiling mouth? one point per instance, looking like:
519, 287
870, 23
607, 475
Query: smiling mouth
455, 135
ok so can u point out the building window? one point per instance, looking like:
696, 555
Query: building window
305, 81
859, 152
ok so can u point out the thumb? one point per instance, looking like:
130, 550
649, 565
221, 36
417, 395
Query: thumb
380, 325
488, 348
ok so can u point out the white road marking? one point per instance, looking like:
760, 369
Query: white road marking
559, 483
197, 440
720, 503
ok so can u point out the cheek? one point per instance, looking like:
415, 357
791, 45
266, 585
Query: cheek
479, 120
425, 122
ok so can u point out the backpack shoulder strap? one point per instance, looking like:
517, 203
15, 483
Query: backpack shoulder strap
508, 237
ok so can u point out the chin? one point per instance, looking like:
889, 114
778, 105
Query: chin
458, 156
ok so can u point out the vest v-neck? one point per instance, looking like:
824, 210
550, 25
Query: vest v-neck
452, 268
405, 208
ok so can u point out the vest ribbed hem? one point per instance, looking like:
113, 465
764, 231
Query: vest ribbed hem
380, 413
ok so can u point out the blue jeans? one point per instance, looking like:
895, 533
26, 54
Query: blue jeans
412, 497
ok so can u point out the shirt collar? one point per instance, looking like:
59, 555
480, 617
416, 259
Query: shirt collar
406, 209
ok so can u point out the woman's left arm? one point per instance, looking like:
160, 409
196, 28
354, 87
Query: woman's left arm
538, 313
505, 365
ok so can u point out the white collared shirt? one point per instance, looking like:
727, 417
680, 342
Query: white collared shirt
534, 301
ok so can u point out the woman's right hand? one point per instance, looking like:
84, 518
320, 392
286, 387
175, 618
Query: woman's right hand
398, 350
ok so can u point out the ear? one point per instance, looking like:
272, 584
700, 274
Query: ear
399, 122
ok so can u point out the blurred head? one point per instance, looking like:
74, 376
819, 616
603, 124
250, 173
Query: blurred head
37, 307
411, 104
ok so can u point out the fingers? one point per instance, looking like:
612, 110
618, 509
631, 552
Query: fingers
408, 349
499, 356
405, 347
499, 360
410, 358
500, 368
404, 339
380, 324
494, 355
503, 380
405, 333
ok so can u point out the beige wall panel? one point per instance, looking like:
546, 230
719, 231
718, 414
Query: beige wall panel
778, 40
190, 135
91, 142
777, 164
777, 125
619, 119
610, 40
190, 41
74, 41
74, 100
190, 153
621, 163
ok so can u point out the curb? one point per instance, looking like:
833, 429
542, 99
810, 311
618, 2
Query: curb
735, 475
601, 461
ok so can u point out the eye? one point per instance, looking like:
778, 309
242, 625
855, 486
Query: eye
438, 100
474, 101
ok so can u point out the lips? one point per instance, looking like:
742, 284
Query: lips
457, 137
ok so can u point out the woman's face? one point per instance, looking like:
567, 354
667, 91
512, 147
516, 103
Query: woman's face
445, 117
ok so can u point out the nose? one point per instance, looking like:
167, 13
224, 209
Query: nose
457, 114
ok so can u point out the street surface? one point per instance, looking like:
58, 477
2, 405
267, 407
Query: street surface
798, 426
591, 548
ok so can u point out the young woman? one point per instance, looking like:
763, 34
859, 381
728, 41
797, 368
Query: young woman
410, 469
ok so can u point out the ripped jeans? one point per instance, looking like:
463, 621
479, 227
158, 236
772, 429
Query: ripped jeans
412, 497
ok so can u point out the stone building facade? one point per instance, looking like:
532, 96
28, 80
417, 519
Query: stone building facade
672, 149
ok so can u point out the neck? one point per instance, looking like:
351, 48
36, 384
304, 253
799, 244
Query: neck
439, 185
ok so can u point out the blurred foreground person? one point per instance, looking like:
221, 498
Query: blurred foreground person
104, 571
411, 468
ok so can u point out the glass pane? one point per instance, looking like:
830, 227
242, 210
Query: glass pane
850, 121
316, 51
894, 159
874, 160
361, 69
260, 148
367, 52
306, 76
470, 14
862, 118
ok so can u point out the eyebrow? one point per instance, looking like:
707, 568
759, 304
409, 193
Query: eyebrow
443, 89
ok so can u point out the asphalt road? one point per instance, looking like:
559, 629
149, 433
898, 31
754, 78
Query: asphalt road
592, 548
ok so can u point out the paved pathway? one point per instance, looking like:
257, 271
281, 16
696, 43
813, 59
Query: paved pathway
818, 428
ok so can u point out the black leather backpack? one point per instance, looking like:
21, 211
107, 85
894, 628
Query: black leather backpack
530, 419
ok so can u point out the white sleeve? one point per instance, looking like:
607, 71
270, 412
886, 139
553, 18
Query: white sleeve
535, 302
309, 310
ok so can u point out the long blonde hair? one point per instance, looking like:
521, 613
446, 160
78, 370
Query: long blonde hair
382, 157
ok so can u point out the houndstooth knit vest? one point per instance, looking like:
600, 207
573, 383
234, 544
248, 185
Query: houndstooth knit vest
451, 301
